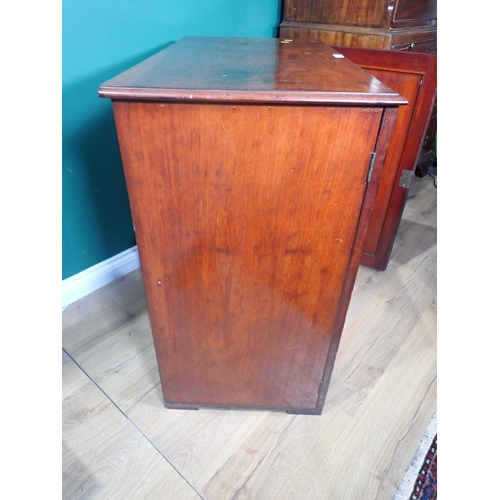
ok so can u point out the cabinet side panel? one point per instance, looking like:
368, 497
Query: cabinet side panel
245, 217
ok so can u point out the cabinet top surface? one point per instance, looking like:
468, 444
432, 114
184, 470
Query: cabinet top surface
222, 69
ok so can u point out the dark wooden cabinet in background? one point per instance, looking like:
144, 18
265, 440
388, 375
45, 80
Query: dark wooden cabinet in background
252, 167
375, 24
399, 27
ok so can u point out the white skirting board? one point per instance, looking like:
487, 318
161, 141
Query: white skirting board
97, 276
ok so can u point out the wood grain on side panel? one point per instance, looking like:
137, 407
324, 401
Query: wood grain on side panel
245, 228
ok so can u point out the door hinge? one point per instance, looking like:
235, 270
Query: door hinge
370, 168
405, 179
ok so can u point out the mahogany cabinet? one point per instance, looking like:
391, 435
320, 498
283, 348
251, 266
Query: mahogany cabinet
377, 24
252, 167
413, 76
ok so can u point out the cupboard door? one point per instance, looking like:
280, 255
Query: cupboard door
413, 76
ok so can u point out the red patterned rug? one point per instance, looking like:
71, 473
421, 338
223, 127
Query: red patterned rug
425, 487
420, 479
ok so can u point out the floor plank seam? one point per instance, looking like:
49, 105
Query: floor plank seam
249, 476
361, 360
129, 318
132, 357
133, 405
131, 421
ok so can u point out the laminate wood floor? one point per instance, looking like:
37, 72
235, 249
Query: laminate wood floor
119, 442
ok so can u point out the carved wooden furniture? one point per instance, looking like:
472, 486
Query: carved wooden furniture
252, 167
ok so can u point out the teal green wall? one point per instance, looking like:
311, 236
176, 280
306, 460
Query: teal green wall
102, 38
